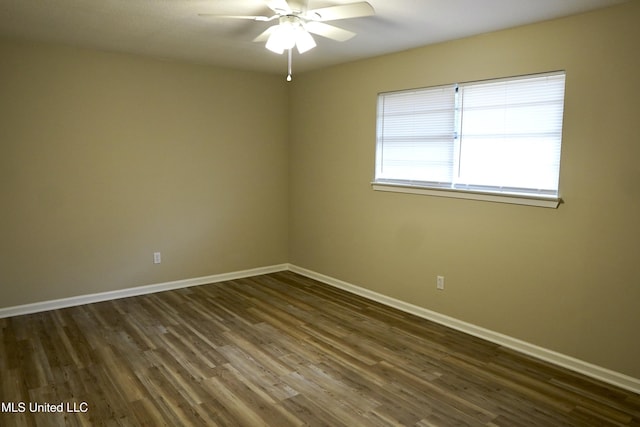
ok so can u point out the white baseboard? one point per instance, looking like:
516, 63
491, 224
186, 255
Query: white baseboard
139, 290
611, 377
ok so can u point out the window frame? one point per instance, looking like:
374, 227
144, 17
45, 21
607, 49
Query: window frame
471, 192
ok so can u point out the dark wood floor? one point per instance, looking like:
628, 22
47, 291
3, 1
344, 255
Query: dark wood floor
279, 350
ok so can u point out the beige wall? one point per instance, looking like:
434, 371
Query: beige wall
566, 279
106, 158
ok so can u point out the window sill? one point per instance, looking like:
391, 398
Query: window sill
541, 202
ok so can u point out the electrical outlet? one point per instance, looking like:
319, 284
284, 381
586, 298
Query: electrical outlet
157, 257
440, 283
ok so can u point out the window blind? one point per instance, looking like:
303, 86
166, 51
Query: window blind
501, 136
511, 133
416, 131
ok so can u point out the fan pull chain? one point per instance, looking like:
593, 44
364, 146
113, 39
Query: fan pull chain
289, 75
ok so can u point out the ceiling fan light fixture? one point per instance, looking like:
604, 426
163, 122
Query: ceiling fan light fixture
296, 24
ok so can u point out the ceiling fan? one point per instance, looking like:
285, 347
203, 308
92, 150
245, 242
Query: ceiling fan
296, 23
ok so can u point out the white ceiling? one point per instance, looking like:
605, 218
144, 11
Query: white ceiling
172, 29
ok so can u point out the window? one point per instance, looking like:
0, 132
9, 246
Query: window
496, 139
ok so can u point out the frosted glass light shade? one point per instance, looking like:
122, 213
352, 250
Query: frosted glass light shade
304, 40
282, 38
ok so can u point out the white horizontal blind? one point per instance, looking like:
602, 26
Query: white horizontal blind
499, 136
511, 135
415, 135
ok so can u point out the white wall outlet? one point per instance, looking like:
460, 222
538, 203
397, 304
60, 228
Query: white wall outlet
157, 257
440, 283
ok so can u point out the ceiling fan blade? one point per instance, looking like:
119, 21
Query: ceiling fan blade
344, 11
329, 31
249, 17
264, 36
279, 6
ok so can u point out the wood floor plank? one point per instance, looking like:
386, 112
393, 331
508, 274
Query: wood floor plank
281, 350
